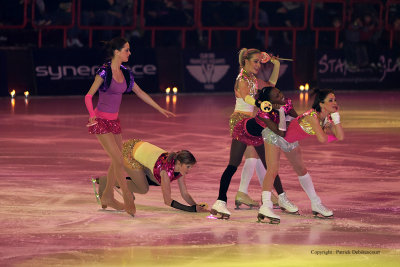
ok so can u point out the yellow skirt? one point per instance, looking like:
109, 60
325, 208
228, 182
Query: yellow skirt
127, 149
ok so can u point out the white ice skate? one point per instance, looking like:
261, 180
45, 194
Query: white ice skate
274, 200
265, 212
219, 208
287, 206
320, 211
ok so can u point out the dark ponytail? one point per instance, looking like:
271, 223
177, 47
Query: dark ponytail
116, 43
319, 97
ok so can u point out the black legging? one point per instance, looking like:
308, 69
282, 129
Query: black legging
235, 158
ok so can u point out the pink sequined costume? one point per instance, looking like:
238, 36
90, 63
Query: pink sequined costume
143, 155
249, 131
298, 130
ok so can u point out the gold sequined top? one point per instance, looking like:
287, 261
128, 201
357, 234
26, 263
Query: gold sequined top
304, 124
250, 79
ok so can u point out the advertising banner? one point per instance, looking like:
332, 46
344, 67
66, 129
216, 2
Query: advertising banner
216, 71
209, 71
72, 71
335, 72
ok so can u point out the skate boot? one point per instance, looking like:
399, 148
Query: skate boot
243, 198
320, 211
265, 212
274, 200
102, 185
219, 208
287, 206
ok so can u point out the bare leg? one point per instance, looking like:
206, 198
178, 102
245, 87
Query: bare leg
295, 158
112, 144
272, 156
138, 182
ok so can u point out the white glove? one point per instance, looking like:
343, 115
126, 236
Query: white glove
282, 119
335, 117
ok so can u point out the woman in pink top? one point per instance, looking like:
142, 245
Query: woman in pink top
112, 80
322, 121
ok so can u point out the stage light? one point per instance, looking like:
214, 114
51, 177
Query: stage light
12, 93
306, 87
168, 90
301, 87
175, 90
26, 93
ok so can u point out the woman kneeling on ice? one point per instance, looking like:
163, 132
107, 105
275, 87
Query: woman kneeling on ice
147, 164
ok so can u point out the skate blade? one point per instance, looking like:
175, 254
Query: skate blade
291, 213
250, 207
96, 194
318, 215
218, 215
269, 220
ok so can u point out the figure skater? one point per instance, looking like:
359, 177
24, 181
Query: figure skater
244, 110
113, 79
147, 164
323, 121
245, 87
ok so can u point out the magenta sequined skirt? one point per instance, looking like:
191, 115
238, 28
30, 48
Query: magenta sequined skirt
240, 133
104, 126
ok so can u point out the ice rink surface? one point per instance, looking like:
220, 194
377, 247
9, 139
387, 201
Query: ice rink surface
49, 215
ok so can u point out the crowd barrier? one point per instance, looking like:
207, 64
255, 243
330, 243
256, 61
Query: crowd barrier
253, 10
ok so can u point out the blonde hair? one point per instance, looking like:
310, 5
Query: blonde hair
245, 53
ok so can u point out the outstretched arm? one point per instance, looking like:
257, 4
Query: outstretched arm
187, 197
166, 188
184, 193
147, 99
